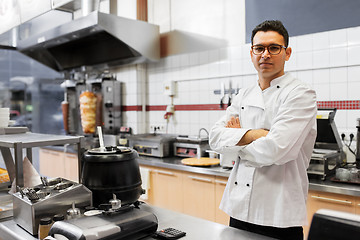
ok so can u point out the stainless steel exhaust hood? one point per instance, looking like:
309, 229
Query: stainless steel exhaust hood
100, 40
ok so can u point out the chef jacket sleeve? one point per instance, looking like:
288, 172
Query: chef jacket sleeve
295, 120
222, 139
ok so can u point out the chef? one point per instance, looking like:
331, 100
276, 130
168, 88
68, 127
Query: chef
269, 130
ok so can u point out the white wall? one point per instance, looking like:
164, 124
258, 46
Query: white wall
328, 61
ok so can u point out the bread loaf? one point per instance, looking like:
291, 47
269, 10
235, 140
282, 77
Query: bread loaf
88, 111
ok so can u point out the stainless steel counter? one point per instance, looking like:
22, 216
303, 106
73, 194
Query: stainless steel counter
314, 184
195, 228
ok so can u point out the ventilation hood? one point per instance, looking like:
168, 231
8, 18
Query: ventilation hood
100, 40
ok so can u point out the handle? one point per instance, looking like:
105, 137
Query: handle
55, 153
200, 179
140, 146
101, 139
221, 182
164, 172
71, 156
331, 200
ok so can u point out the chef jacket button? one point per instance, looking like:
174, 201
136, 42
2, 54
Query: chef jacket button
248, 185
235, 183
278, 86
242, 107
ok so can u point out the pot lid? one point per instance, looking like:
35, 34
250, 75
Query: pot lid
110, 150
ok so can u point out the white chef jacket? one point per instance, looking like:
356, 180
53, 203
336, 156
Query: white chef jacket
268, 184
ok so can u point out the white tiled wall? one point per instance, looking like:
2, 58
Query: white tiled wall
328, 61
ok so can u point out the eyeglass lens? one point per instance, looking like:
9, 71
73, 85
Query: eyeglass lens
272, 49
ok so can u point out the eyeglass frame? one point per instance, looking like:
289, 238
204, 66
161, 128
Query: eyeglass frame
267, 48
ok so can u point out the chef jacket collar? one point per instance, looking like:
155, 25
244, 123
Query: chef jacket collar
280, 81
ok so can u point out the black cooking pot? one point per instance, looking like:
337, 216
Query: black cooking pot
113, 170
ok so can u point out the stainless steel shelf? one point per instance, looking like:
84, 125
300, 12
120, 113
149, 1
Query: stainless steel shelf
27, 141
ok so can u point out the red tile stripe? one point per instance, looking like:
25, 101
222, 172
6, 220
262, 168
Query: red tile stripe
131, 108
340, 105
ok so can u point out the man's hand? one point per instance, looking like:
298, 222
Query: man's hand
234, 122
250, 135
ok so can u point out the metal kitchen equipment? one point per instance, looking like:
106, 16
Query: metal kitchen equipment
126, 222
100, 40
185, 146
155, 145
113, 170
56, 197
108, 111
328, 152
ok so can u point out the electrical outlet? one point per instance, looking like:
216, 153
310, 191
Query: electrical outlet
157, 128
347, 135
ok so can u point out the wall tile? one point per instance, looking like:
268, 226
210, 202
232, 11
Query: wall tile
322, 91
338, 38
338, 75
247, 67
354, 74
353, 91
321, 41
338, 56
305, 43
353, 35
304, 60
306, 77
354, 55
321, 76
352, 116
321, 58
293, 44
236, 52
236, 67
245, 51
341, 119
291, 64
338, 91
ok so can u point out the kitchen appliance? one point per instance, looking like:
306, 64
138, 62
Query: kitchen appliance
108, 109
45, 200
155, 145
328, 152
99, 40
331, 224
126, 222
185, 146
113, 170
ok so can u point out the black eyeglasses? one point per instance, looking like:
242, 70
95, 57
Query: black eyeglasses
273, 49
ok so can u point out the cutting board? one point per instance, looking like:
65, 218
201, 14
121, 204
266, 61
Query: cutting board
203, 161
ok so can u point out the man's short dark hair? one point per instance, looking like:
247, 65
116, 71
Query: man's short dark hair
272, 25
